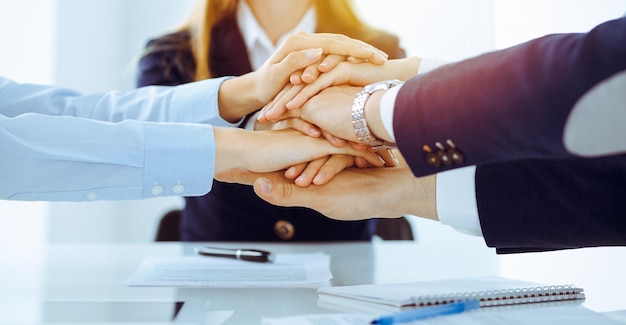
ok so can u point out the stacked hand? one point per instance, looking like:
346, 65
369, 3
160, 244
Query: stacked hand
309, 85
311, 158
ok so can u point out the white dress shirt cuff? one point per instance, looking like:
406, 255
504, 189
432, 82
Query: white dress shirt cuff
456, 200
387, 103
456, 193
429, 64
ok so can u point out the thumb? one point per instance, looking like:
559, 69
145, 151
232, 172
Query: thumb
298, 60
278, 194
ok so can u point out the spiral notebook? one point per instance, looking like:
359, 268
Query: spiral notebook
491, 291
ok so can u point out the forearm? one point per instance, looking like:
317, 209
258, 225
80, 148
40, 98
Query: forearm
62, 158
194, 102
267, 151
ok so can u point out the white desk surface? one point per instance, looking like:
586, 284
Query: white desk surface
54, 275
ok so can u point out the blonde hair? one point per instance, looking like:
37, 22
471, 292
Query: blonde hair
333, 16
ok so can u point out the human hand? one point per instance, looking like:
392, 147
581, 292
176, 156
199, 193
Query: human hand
245, 94
318, 171
330, 110
353, 194
321, 170
264, 151
294, 95
278, 69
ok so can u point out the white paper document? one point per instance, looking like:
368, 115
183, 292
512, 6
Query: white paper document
203, 271
571, 315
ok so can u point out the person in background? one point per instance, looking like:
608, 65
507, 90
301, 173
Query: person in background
61, 145
233, 37
538, 128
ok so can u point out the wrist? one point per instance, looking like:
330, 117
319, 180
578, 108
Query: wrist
229, 148
366, 120
236, 98
410, 195
374, 119
404, 69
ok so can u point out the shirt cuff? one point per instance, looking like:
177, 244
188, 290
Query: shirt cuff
252, 120
386, 108
429, 64
179, 159
456, 200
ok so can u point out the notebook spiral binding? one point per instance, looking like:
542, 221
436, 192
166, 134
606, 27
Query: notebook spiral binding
506, 297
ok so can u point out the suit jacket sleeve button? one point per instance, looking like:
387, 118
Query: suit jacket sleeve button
433, 159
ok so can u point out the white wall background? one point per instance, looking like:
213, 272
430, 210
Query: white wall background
92, 45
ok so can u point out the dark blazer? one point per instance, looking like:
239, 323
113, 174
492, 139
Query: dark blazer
505, 112
233, 212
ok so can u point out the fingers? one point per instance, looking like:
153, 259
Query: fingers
324, 81
321, 170
310, 73
296, 78
299, 125
279, 194
269, 106
335, 141
333, 166
311, 170
278, 106
330, 44
296, 61
330, 62
338, 76
361, 163
294, 171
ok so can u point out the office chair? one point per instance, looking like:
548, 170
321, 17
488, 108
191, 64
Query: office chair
388, 229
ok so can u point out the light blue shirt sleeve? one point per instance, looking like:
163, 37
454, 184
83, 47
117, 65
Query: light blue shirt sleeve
59, 145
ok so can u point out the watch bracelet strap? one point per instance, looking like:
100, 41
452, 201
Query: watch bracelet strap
359, 122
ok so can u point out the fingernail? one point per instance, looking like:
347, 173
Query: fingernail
289, 104
290, 172
339, 140
318, 179
314, 132
313, 54
268, 112
301, 178
265, 186
352, 59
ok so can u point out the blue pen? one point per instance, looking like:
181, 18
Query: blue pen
426, 312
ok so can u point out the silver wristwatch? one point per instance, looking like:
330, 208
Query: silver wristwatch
359, 123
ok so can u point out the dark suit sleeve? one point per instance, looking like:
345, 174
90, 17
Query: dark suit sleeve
537, 205
505, 105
